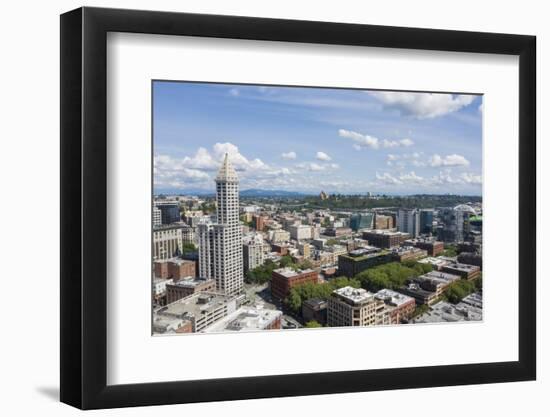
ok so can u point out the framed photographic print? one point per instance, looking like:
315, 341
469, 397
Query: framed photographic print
259, 208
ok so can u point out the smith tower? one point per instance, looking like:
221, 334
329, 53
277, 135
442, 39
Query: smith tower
220, 243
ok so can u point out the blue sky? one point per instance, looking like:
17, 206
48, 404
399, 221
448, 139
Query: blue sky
313, 139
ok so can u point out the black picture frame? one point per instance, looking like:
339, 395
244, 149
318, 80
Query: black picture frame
84, 207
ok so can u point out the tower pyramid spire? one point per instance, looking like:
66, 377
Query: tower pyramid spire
227, 172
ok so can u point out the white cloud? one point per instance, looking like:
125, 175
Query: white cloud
411, 177
442, 181
470, 178
321, 156
234, 92
368, 141
480, 108
453, 160
289, 155
400, 160
422, 105
314, 166
388, 179
200, 168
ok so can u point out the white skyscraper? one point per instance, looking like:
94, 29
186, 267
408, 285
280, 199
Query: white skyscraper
408, 221
220, 243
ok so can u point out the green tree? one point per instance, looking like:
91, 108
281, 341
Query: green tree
450, 251
286, 261
313, 324
458, 290
305, 264
478, 282
392, 276
188, 248
420, 309
261, 274
303, 292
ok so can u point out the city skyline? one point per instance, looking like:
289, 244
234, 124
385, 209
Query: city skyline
312, 139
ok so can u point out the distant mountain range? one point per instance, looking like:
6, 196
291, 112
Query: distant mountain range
256, 192
252, 192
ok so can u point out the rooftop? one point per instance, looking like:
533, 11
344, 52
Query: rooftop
474, 300
163, 324
353, 295
385, 232
357, 255
195, 305
462, 267
434, 261
407, 249
245, 319
392, 297
443, 276
289, 272
313, 302
190, 282
447, 312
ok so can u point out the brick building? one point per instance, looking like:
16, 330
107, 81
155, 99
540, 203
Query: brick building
185, 287
385, 238
283, 279
401, 306
175, 268
432, 246
466, 271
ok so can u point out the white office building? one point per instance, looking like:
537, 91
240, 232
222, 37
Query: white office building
408, 221
157, 216
300, 231
220, 243
253, 251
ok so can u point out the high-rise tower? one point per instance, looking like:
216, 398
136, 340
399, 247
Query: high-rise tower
408, 221
220, 243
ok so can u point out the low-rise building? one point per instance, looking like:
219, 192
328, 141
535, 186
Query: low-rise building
401, 306
432, 246
174, 268
181, 268
408, 253
361, 259
167, 324
436, 281
300, 232
186, 287
420, 295
248, 319
350, 306
202, 309
436, 263
338, 231
283, 279
315, 309
385, 238
447, 312
471, 258
469, 272
282, 248
159, 290
278, 236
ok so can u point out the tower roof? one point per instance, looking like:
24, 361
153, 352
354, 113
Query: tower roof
227, 172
